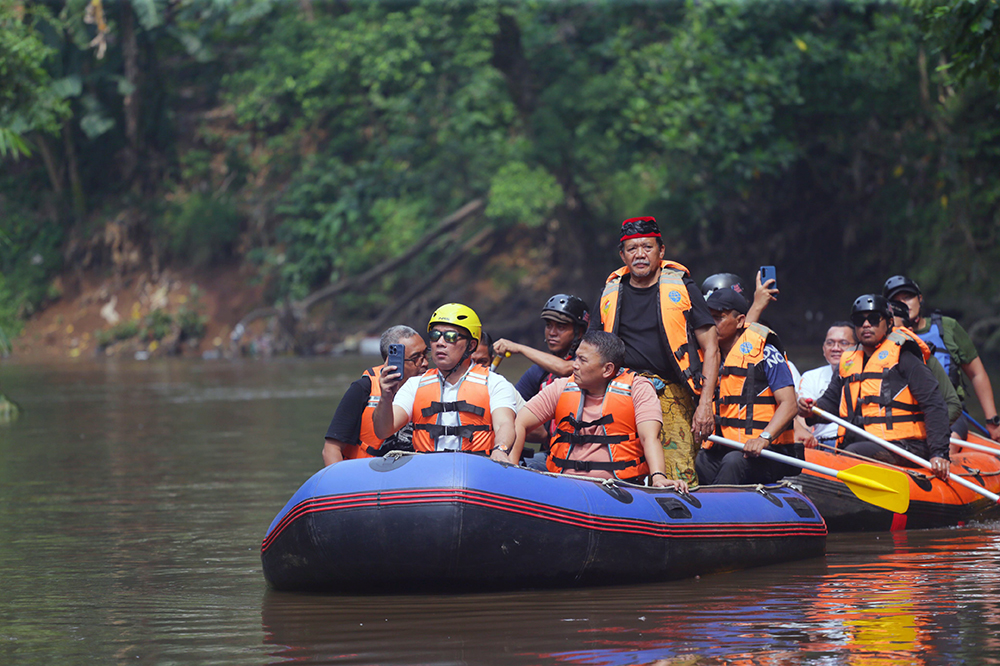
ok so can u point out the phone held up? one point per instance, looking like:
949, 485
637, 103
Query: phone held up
396, 357
768, 273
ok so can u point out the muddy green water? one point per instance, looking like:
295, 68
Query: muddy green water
134, 496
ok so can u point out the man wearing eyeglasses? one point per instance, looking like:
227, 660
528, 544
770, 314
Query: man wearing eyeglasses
813, 383
351, 434
457, 406
884, 386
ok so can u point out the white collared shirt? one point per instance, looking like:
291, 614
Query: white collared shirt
502, 394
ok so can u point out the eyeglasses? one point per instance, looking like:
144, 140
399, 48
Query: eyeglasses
419, 356
837, 344
451, 337
859, 318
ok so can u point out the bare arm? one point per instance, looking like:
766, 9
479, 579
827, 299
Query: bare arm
503, 433
984, 391
525, 422
703, 423
333, 451
803, 433
785, 412
386, 417
762, 297
649, 436
559, 367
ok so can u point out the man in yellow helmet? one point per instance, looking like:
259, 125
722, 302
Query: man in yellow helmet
457, 406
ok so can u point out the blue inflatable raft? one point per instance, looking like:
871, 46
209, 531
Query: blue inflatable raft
454, 521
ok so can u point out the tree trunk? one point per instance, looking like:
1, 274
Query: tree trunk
75, 183
53, 168
130, 57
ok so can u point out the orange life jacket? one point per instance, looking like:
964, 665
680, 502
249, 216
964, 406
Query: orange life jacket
472, 405
889, 412
370, 444
673, 306
617, 427
743, 405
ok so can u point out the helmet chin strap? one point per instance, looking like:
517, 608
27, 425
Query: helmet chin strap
469, 349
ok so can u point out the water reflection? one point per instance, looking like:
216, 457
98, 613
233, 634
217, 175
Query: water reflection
906, 598
133, 499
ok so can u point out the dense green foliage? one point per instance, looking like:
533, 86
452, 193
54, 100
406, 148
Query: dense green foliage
842, 141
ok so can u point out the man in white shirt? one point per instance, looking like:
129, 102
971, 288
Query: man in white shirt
457, 406
813, 383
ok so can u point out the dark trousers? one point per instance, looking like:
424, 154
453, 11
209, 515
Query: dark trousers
724, 466
879, 452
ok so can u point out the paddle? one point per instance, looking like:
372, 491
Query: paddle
976, 423
900, 451
885, 488
497, 360
975, 447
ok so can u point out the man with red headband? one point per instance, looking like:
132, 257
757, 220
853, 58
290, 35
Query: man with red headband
656, 309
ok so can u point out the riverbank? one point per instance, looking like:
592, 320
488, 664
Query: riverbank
178, 312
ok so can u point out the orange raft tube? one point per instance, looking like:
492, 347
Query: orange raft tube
933, 503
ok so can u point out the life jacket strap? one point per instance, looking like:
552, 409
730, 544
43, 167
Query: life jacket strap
457, 406
742, 400
574, 438
578, 425
591, 465
882, 420
463, 431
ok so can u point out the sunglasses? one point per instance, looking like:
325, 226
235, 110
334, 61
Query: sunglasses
451, 337
860, 318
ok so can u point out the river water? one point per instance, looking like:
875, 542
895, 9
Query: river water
134, 497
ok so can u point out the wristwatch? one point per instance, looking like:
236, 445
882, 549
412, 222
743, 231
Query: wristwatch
765, 435
995, 421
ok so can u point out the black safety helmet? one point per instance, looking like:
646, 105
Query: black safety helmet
567, 309
898, 283
872, 303
720, 281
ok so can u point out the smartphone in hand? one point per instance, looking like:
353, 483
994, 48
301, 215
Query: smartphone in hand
396, 358
768, 273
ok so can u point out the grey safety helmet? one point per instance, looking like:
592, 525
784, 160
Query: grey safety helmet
567, 309
721, 281
872, 303
898, 283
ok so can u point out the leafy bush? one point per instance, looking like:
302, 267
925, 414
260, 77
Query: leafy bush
121, 331
30, 255
157, 325
520, 194
192, 324
10, 322
202, 229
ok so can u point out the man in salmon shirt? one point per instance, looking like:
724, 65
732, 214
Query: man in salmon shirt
608, 419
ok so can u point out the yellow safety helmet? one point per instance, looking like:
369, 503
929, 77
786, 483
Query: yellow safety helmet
459, 315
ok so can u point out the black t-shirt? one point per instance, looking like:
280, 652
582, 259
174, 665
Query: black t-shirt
346, 423
530, 382
640, 327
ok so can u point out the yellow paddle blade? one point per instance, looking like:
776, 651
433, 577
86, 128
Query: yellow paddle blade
886, 488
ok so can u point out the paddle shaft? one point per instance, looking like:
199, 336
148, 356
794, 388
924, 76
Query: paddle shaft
774, 455
975, 447
892, 492
976, 423
900, 451
497, 360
